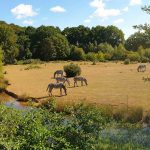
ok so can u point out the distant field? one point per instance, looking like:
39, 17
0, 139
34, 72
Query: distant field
109, 83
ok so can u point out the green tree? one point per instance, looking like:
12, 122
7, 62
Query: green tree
137, 39
78, 36
8, 41
54, 47
39, 36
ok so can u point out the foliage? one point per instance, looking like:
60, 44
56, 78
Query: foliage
77, 53
78, 36
127, 61
78, 127
136, 40
105, 48
100, 57
54, 47
45, 129
8, 41
91, 56
119, 53
133, 56
72, 70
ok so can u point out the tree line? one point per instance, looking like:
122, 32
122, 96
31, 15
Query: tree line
49, 43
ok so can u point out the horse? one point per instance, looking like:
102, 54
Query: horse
63, 80
141, 68
82, 79
58, 72
52, 86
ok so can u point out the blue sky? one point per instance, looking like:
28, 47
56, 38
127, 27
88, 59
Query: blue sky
121, 13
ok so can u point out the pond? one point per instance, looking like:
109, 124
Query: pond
10, 102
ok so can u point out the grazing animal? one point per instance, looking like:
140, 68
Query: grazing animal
63, 80
141, 68
60, 86
82, 79
58, 72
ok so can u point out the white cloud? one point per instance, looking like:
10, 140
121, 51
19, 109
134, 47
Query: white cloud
87, 20
28, 22
118, 21
101, 11
23, 11
126, 9
57, 9
97, 4
135, 2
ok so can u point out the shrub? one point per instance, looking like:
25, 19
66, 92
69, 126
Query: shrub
77, 53
127, 61
100, 57
133, 56
105, 48
91, 56
72, 70
144, 59
119, 53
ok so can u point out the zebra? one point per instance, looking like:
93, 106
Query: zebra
82, 79
141, 68
52, 86
58, 72
63, 80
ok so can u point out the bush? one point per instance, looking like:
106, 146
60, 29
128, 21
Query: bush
77, 53
91, 56
72, 70
119, 53
127, 61
100, 57
133, 56
144, 59
105, 48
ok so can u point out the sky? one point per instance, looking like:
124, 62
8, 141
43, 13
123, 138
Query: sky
68, 13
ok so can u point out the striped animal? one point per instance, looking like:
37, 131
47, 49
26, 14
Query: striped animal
141, 68
60, 86
58, 72
82, 79
63, 80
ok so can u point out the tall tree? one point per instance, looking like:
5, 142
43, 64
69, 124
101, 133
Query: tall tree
78, 36
136, 40
8, 41
54, 47
40, 34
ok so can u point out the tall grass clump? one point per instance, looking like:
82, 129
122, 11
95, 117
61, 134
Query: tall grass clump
127, 61
72, 70
32, 67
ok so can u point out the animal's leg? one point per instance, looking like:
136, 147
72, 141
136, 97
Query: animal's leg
61, 91
76, 83
81, 83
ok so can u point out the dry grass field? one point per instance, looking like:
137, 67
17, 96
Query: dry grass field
108, 83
